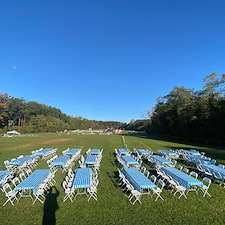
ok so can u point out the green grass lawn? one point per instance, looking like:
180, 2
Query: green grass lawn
112, 206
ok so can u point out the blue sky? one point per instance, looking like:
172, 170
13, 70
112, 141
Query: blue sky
108, 60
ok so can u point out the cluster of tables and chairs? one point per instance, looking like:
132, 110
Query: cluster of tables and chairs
160, 161
136, 183
92, 160
45, 153
21, 162
126, 159
170, 154
34, 185
81, 181
142, 152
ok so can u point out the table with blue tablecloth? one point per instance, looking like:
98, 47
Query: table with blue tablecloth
129, 161
122, 151
215, 168
60, 161
72, 152
4, 174
182, 178
44, 152
168, 153
200, 159
82, 178
22, 160
143, 152
162, 161
189, 152
137, 179
91, 160
33, 181
95, 151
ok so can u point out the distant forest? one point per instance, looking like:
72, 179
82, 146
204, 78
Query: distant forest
183, 112
193, 114
31, 117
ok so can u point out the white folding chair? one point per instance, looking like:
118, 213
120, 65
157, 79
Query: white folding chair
11, 194
206, 184
194, 174
158, 190
180, 189
136, 195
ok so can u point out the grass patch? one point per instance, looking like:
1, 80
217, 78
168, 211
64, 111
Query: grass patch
112, 206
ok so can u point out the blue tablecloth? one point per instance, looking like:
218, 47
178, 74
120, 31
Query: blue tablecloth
161, 160
43, 152
143, 152
122, 151
95, 152
213, 167
187, 152
182, 178
60, 161
91, 159
196, 158
129, 160
22, 160
34, 180
72, 151
137, 179
3, 174
82, 178
168, 153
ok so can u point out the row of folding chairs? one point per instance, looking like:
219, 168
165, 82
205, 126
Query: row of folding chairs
49, 161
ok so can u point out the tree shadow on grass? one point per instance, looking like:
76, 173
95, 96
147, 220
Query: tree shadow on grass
50, 207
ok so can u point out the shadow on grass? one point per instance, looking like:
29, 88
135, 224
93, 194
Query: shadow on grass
50, 207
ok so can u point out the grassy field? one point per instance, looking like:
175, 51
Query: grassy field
112, 206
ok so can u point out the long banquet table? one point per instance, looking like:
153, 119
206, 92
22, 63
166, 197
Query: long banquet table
162, 161
33, 181
213, 167
182, 178
137, 179
129, 161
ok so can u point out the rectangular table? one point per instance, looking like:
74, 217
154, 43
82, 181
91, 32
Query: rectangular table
21, 161
188, 152
33, 181
95, 151
44, 152
4, 174
122, 151
91, 159
142, 152
137, 179
72, 152
213, 167
182, 178
60, 161
168, 153
199, 160
82, 178
129, 161
162, 161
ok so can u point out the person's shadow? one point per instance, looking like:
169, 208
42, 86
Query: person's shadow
50, 207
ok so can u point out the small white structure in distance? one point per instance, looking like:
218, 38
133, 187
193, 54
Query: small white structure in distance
13, 133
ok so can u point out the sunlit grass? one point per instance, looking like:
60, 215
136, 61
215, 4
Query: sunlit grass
112, 206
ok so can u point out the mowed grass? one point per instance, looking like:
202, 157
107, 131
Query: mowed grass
112, 206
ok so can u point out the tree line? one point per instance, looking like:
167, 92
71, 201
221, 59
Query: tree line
188, 113
31, 116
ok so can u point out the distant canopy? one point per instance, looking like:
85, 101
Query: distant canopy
13, 133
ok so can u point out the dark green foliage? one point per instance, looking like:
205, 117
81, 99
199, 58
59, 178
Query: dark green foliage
31, 117
188, 113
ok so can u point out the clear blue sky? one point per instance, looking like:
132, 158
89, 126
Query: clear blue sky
108, 59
